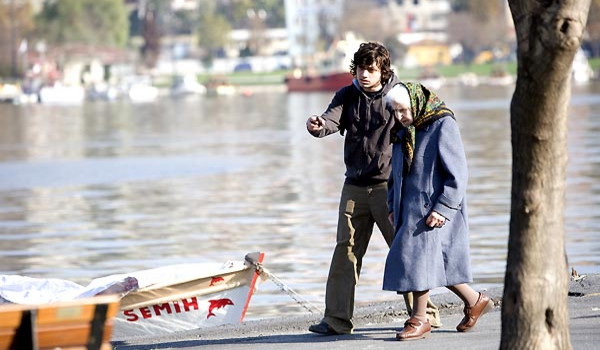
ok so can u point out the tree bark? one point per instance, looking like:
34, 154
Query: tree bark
534, 308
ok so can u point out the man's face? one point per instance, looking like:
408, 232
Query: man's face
369, 78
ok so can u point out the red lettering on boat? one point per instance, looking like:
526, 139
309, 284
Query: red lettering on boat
158, 310
145, 312
130, 315
193, 302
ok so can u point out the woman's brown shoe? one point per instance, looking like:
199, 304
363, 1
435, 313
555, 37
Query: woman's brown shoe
414, 329
472, 314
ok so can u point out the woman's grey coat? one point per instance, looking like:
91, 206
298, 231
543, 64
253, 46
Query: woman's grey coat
422, 258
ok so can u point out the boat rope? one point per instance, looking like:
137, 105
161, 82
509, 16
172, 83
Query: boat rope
285, 288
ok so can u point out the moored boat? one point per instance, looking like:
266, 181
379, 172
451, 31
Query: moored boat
62, 94
318, 82
186, 85
155, 301
187, 296
219, 86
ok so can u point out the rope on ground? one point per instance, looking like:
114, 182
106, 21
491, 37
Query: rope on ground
285, 288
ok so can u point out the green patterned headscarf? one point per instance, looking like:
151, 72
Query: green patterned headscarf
426, 108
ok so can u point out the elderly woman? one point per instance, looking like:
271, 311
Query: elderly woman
427, 206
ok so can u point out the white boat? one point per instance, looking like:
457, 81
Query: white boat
190, 296
62, 94
138, 88
219, 86
187, 85
468, 79
102, 92
9, 92
140, 92
581, 70
155, 301
499, 80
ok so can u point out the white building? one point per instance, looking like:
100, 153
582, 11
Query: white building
272, 56
302, 22
421, 19
187, 5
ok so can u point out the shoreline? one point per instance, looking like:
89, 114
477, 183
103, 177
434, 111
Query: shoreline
376, 324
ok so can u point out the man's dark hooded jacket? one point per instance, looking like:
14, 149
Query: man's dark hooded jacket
367, 122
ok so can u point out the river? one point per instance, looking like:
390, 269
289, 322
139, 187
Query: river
111, 187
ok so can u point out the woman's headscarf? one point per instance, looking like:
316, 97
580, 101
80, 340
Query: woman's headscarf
426, 107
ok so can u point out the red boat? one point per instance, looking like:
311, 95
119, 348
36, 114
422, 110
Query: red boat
322, 82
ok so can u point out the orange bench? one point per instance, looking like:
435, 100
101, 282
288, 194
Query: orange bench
78, 324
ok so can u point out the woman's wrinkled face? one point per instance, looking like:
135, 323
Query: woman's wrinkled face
369, 78
403, 114
400, 103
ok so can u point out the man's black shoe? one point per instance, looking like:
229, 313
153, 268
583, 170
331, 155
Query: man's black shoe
322, 328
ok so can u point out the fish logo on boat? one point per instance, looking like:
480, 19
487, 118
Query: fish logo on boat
217, 304
215, 280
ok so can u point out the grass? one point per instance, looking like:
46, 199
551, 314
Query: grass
450, 71
248, 78
595, 63
483, 69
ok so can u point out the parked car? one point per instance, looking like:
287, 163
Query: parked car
242, 67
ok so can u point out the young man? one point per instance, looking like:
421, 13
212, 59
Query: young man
359, 110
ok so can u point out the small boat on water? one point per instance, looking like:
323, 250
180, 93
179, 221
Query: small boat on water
140, 93
581, 70
155, 301
62, 94
184, 85
219, 86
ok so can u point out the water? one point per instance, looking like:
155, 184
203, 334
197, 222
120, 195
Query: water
107, 188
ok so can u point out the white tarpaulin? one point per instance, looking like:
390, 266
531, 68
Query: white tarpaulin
27, 290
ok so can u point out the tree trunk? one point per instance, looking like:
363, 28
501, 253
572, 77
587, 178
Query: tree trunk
534, 308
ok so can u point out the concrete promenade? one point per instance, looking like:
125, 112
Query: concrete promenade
376, 325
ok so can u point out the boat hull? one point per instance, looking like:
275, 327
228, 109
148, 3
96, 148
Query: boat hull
155, 301
216, 299
323, 82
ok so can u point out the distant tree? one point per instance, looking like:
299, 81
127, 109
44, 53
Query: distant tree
255, 15
236, 12
397, 49
276, 11
329, 28
95, 22
477, 24
213, 30
534, 304
184, 22
460, 5
257, 31
464, 29
16, 23
152, 35
485, 10
157, 21
368, 21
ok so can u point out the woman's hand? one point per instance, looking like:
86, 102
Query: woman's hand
435, 219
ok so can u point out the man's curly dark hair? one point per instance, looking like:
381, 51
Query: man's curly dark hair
369, 53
